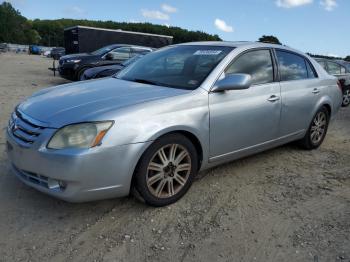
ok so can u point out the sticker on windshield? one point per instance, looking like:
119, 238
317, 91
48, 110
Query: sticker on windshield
207, 52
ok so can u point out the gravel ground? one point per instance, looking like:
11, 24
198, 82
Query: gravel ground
285, 204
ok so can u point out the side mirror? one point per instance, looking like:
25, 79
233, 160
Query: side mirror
233, 82
109, 56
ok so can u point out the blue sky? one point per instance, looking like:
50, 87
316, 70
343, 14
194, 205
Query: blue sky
317, 26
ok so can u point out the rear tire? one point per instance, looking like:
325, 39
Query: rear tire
166, 170
317, 130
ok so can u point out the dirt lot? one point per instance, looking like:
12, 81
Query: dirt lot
282, 205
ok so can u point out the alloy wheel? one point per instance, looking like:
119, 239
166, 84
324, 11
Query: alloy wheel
318, 127
168, 171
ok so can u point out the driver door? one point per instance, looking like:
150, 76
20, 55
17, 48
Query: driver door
242, 120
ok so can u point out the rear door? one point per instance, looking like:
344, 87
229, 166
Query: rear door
300, 91
240, 119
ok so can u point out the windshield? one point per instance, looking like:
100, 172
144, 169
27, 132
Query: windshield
102, 50
183, 66
132, 60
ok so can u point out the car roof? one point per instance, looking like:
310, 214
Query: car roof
127, 45
243, 44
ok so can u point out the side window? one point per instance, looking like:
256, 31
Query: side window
311, 73
342, 70
323, 64
121, 54
257, 63
333, 68
292, 66
137, 51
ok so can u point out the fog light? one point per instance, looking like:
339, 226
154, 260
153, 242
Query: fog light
54, 184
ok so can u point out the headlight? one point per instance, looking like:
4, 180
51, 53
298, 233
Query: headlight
73, 61
83, 135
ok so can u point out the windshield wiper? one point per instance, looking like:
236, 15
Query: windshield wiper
145, 81
148, 82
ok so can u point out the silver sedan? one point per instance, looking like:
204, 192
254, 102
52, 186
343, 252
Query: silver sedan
174, 112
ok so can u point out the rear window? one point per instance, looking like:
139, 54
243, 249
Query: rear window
311, 73
291, 66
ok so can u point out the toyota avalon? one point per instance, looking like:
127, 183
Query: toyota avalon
172, 113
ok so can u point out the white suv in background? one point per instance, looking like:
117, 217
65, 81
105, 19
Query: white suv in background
341, 70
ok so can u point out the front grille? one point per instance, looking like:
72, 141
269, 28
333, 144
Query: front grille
25, 131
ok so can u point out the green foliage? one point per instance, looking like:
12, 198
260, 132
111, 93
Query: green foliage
269, 39
15, 28
347, 58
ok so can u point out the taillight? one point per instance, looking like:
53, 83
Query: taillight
340, 86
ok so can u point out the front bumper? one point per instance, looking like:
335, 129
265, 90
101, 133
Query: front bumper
87, 174
68, 71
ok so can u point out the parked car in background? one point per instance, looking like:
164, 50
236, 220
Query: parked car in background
176, 111
57, 52
109, 70
341, 70
3, 47
34, 50
47, 53
73, 66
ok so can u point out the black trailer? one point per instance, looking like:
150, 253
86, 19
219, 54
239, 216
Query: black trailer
81, 39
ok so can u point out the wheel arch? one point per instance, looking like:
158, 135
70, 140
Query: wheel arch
188, 134
80, 69
324, 102
329, 108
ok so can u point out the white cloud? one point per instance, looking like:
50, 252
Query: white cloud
221, 25
168, 8
74, 11
329, 5
292, 3
154, 14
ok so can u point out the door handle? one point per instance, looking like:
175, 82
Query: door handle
315, 91
273, 98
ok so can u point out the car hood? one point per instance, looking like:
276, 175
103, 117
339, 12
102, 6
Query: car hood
87, 101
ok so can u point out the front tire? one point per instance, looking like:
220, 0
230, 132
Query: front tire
166, 170
317, 130
80, 73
